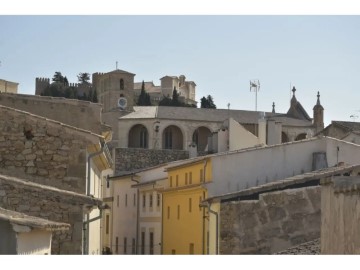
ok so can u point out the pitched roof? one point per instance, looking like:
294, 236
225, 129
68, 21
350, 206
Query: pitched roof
208, 115
31, 221
350, 126
120, 71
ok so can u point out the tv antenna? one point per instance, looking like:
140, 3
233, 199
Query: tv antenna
354, 117
255, 87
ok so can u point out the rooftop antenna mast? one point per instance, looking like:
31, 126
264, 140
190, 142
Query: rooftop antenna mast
116, 65
255, 87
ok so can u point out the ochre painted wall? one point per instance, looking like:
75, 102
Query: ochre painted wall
184, 228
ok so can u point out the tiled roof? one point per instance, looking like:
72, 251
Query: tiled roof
209, 115
31, 221
308, 248
351, 126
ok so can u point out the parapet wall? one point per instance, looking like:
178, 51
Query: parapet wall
275, 222
76, 113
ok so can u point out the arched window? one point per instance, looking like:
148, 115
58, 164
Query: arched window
284, 137
138, 137
172, 138
301, 136
121, 84
143, 138
200, 138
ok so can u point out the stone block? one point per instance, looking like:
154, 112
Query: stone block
276, 213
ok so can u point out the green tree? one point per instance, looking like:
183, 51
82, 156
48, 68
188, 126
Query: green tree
144, 98
166, 101
207, 102
175, 98
58, 77
83, 77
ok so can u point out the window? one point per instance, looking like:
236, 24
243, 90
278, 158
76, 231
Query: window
125, 244
142, 242
170, 181
133, 249
121, 84
173, 251
200, 199
143, 137
190, 205
177, 180
107, 224
117, 245
201, 175
178, 212
151, 251
117, 200
168, 139
191, 248
158, 200
144, 201
125, 199
168, 212
134, 199
151, 200
186, 178
190, 178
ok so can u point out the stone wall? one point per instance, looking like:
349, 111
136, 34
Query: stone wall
76, 113
128, 159
275, 222
43, 151
48, 203
340, 219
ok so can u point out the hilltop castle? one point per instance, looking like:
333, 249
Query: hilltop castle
116, 90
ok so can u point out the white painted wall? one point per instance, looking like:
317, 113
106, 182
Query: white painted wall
124, 214
150, 218
239, 137
35, 242
252, 167
353, 138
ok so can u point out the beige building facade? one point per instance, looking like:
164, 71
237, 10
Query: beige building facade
8, 87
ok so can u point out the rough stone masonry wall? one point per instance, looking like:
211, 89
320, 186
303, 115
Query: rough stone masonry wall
55, 155
128, 159
275, 222
76, 113
60, 206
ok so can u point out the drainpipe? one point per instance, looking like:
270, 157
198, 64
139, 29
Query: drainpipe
137, 215
217, 227
86, 234
204, 173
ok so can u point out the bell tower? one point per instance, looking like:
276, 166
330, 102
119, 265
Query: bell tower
318, 115
115, 90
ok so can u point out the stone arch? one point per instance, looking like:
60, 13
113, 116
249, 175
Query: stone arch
301, 136
200, 137
284, 137
138, 137
172, 138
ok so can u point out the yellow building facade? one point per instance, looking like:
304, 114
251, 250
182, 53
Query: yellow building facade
185, 223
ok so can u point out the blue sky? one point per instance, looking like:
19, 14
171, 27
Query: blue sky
219, 53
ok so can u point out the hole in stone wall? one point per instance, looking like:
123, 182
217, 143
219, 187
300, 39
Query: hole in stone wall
28, 132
